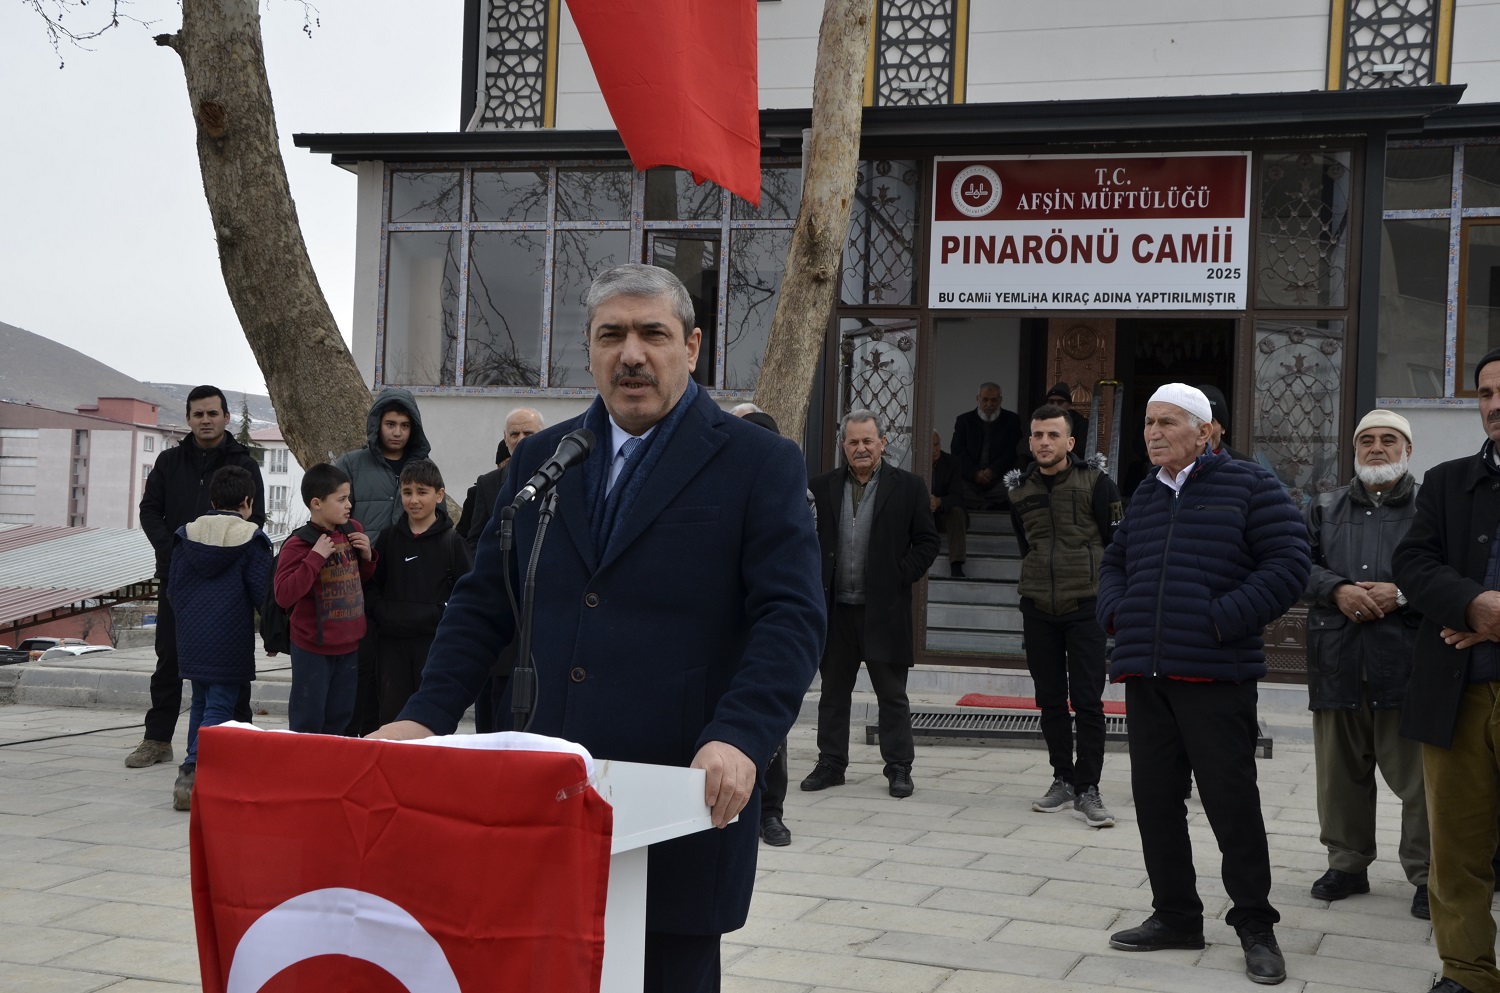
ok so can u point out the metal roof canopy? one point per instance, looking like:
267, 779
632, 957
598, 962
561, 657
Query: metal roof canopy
1216, 116
50, 572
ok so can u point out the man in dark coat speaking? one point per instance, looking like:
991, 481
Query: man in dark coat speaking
679, 609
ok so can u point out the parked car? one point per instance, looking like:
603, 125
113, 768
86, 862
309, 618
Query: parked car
36, 646
73, 651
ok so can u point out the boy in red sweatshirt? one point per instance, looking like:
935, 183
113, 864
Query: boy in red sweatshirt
321, 587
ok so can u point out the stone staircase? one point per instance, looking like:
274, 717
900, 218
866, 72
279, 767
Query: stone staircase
979, 614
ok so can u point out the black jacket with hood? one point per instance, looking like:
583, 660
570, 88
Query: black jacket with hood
375, 481
414, 573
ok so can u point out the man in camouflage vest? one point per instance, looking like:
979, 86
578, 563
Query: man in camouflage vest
1065, 512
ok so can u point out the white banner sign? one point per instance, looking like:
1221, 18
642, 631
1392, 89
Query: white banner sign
1166, 231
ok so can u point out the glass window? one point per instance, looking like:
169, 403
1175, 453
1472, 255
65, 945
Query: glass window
880, 258
503, 346
1479, 292
1298, 391
577, 257
780, 196
1413, 308
1302, 259
421, 308
1482, 176
757, 261
510, 196
1418, 178
878, 371
671, 195
695, 261
150, 444
426, 196
593, 194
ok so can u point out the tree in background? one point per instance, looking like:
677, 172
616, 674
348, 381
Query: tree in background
256, 449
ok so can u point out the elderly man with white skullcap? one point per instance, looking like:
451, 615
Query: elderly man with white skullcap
1361, 638
1210, 551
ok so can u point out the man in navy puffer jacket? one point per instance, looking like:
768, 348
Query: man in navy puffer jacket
1211, 550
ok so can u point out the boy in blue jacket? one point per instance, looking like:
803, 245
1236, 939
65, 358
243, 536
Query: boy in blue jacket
221, 564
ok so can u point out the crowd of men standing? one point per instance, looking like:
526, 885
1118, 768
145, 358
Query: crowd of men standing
697, 532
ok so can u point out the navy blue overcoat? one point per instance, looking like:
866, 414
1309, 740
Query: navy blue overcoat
703, 621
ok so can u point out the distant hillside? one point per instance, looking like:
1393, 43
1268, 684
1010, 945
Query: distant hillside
262, 414
38, 370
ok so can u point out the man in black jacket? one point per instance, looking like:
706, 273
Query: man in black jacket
947, 503
176, 493
1360, 641
1448, 565
877, 537
985, 442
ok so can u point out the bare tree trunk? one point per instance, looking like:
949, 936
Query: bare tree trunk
816, 253
319, 394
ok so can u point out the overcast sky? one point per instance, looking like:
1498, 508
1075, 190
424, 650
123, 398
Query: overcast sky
105, 240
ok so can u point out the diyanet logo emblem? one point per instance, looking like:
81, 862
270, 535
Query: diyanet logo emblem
976, 190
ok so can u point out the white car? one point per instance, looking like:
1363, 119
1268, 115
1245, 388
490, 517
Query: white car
72, 651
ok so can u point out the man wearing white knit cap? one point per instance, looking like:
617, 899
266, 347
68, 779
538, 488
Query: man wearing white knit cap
1210, 551
1360, 642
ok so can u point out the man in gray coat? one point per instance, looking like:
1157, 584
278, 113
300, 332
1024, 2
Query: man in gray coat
1360, 640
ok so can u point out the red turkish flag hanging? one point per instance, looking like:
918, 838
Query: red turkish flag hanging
679, 77
323, 864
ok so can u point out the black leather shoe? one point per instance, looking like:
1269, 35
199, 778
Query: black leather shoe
901, 785
773, 832
1449, 986
1419, 906
1151, 935
1335, 885
1263, 961
822, 777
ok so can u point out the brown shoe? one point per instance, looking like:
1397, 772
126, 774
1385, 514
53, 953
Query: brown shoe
149, 752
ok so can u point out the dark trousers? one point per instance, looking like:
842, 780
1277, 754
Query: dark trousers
1065, 653
401, 661
681, 963
773, 799
841, 658
365, 717
955, 523
1209, 730
322, 696
166, 682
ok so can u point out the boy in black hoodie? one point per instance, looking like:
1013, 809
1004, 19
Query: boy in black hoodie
419, 558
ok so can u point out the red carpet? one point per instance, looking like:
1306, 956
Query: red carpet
1023, 702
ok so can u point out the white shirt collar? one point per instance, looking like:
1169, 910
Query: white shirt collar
1175, 482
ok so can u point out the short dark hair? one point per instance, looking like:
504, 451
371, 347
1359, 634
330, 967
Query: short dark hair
320, 481
423, 472
230, 487
1493, 355
1048, 411
203, 393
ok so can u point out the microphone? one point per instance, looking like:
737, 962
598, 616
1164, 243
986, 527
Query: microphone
573, 449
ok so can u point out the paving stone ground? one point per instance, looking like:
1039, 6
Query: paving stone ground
958, 889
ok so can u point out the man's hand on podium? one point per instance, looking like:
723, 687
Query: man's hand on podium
730, 778
400, 731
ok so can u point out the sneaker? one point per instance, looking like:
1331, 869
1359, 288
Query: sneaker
1151, 935
1089, 808
824, 775
1263, 961
1059, 797
149, 752
901, 784
182, 790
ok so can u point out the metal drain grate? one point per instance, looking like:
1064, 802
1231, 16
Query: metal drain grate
1009, 725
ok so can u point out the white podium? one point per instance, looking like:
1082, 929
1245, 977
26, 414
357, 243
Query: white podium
651, 803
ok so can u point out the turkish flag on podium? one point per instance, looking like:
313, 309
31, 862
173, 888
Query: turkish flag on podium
680, 79
327, 864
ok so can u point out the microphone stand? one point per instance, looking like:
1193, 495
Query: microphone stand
523, 685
